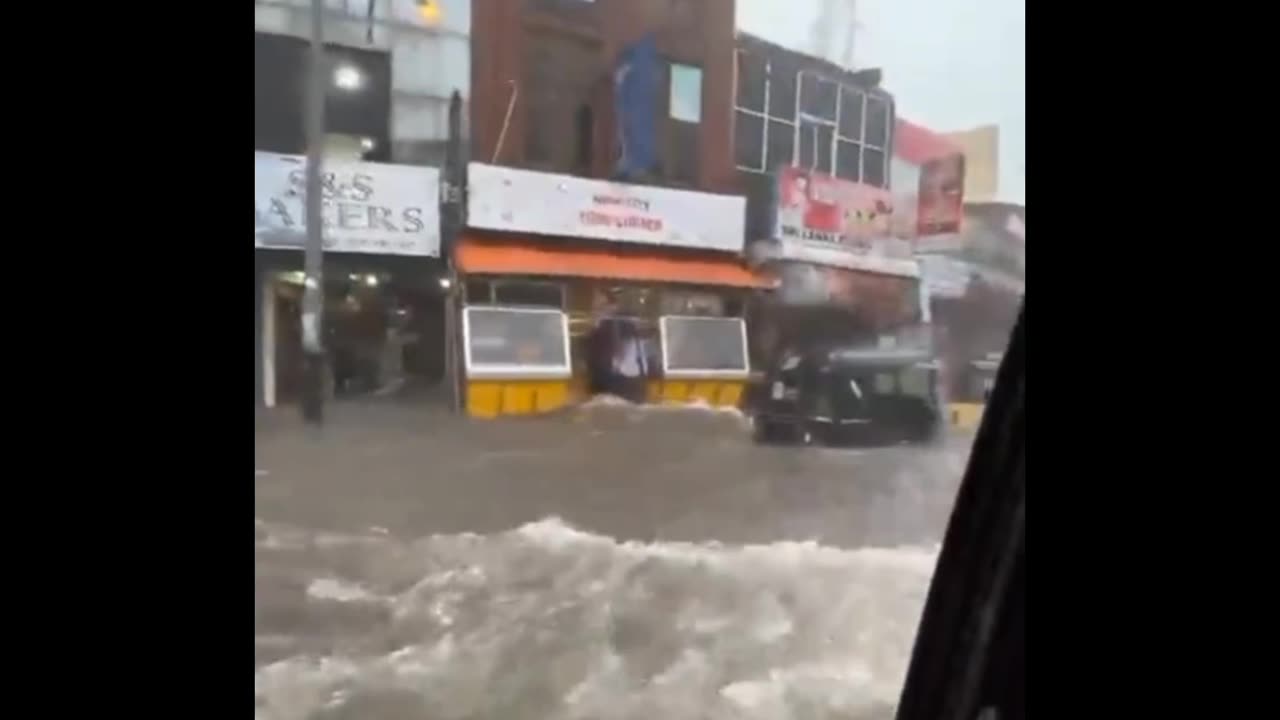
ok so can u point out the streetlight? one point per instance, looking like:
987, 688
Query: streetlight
347, 77
429, 11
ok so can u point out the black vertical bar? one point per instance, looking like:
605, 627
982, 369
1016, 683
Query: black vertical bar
313, 293
452, 218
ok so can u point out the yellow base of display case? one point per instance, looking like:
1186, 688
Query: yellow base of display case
498, 398
965, 416
494, 398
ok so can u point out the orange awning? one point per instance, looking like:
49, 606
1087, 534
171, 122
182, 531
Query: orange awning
505, 257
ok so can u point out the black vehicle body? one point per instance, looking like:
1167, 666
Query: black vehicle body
850, 395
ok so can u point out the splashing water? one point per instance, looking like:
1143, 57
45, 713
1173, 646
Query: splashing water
546, 621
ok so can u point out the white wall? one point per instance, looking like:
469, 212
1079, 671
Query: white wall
427, 63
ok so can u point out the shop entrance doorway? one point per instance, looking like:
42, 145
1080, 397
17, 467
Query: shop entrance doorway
288, 342
621, 354
383, 339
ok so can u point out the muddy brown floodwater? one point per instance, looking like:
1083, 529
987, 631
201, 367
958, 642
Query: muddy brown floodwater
607, 563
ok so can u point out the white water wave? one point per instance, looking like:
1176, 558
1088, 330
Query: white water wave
693, 408
338, 591
548, 621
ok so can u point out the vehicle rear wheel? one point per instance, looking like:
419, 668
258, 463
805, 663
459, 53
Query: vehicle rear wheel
831, 437
774, 433
764, 432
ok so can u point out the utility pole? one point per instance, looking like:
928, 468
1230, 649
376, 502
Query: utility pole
453, 217
313, 391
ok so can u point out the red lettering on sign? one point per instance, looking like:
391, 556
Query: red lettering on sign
595, 218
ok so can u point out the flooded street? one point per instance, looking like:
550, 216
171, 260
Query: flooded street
610, 563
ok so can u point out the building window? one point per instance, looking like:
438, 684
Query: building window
519, 293
849, 129
799, 118
528, 293
584, 134
684, 115
478, 291
686, 93
764, 127
748, 149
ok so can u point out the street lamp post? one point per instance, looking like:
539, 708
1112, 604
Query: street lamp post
313, 293
453, 217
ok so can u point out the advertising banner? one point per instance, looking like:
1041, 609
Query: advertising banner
514, 200
940, 206
815, 206
366, 207
829, 221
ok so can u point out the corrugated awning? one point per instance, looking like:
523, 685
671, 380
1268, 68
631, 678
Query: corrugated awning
515, 257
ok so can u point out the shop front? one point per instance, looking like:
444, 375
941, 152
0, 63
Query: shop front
972, 321
977, 285
574, 287
843, 275
384, 302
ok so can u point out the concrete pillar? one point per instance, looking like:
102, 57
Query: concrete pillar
268, 342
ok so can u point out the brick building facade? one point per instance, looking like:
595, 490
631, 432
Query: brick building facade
557, 59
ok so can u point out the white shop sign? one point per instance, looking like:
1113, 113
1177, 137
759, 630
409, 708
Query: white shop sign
512, 200
367, 207
875, 257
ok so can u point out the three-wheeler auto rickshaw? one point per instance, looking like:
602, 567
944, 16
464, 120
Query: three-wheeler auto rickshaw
837, 395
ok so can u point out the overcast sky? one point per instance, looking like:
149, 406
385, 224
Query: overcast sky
951, 64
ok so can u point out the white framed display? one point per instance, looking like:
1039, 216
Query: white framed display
704, 347
515, 342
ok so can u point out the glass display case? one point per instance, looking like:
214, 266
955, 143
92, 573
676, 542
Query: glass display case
515, 342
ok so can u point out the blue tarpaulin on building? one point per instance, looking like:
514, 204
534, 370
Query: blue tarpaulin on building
635, 94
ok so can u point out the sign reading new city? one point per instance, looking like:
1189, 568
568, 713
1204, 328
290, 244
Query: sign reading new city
366, 207
512, 200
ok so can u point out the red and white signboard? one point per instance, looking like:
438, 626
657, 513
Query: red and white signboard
509, 199
814, 206
830, 221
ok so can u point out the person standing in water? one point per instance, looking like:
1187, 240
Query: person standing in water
629, 364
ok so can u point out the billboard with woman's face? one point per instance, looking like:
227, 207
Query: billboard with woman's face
940, 206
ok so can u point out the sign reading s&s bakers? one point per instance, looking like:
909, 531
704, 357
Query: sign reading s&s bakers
366, 207
513, 200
